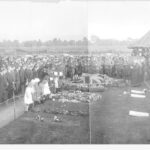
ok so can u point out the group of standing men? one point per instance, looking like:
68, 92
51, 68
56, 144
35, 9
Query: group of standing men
16, 72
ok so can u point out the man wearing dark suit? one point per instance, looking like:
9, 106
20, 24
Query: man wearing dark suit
3, 88
17, 80
22, 80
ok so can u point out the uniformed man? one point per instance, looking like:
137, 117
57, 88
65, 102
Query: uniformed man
22, 79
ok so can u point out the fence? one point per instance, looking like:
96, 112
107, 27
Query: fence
11, 108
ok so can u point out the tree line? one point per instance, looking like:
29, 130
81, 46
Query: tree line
53, 42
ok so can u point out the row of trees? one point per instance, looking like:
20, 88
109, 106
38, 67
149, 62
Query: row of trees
58, 42
54, 42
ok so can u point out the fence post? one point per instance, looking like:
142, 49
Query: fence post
14, 102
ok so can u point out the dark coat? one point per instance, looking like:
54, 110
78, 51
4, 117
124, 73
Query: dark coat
3, 88
22, 76
28, 75
17, 80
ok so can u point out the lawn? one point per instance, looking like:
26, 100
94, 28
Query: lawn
111, 122
71, 128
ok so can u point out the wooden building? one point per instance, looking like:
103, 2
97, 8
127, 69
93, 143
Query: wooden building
142, 46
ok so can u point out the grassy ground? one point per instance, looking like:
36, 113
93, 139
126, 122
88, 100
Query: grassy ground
70, 130
111, 123
106, 120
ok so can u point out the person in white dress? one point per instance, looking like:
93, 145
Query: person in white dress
45, 90
28, 97
36, 94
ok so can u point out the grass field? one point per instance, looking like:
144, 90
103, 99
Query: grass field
106, 121
111, 123
69, 130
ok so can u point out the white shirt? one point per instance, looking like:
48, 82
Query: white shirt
56, 82
28, 95
45, 88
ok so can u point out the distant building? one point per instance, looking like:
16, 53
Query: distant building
142, 46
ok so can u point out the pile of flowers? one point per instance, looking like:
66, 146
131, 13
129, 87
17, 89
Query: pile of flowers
77, 96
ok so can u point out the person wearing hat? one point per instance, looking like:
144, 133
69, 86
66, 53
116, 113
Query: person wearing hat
17, 80
36, 94
79, 69
10, 80
22, 79
28, 73
34, 70
44, 90
41, 72
3, 87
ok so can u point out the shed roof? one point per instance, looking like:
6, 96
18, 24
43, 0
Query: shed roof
142, 42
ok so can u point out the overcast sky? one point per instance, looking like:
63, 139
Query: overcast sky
73, 20
118, 20
37, 20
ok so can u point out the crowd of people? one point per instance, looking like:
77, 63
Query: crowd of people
19, 72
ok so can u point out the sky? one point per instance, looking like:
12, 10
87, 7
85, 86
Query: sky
118, 20
45, 21
69, 20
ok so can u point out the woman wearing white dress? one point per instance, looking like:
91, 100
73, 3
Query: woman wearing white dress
28, 97
36, 94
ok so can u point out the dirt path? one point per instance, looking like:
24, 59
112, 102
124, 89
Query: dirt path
111, 123
7, 112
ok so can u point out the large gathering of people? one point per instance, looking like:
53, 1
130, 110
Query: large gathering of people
43, 73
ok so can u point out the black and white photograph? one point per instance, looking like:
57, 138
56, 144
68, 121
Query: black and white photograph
74, 72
